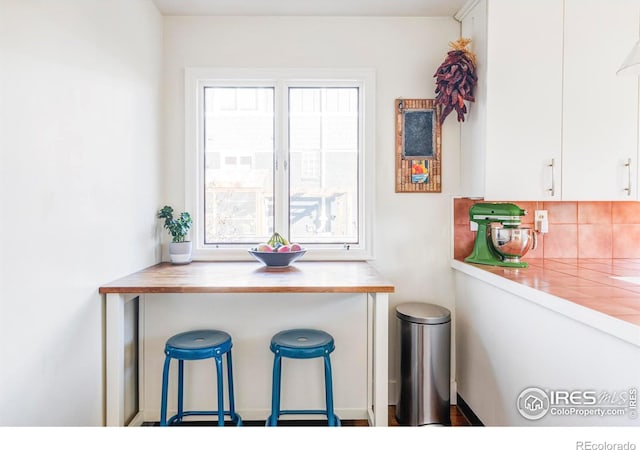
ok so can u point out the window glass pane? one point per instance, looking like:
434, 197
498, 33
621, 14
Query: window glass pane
323, 156
238, 161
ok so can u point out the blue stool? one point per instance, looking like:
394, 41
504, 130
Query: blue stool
195, 345
302, 344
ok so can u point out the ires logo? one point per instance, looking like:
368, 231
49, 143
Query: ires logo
573, 398
534, 403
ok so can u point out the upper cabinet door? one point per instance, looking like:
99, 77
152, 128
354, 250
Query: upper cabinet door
600, 108
474, 130
524, 100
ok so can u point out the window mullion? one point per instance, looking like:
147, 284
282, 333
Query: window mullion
281, 194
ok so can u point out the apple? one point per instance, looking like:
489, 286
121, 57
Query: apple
295, 247
265, 248
284, 249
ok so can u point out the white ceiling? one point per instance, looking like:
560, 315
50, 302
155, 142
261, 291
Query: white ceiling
420, 8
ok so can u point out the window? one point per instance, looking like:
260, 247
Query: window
280, 150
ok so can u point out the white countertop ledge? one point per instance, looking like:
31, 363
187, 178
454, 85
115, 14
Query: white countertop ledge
625, 331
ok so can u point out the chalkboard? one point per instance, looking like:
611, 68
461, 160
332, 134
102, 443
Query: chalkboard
418, 134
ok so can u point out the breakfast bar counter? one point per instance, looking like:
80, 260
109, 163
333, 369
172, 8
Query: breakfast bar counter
250, 277
222, 284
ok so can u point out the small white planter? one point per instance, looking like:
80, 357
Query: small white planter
180, 252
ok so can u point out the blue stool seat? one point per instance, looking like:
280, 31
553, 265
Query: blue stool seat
302, 344
192, 346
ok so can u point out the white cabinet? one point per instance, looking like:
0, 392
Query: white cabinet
473, 134
507, 341
508, 148
600, 108
524, 98
551, 120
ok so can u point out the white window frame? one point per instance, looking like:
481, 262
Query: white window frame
196, 78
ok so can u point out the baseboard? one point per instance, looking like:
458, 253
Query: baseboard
453, 393
468, 413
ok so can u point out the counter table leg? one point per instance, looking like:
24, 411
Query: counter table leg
115, 333
378, 306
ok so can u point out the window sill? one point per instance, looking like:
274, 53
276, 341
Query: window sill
311, 255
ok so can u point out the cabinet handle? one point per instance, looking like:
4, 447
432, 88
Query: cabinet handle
553, 178
628, 166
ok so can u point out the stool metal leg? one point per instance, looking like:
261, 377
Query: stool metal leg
165, 388
218, 360
328, 392
232, 404
180, 390
272, 421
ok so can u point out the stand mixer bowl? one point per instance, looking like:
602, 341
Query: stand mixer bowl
513, 243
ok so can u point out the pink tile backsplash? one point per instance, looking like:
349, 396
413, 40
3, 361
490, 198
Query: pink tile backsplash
561, 241
626, 240
576, 229
562, 212
625, 212
530, 207
461, 210
594, 240
594, 212
463, 242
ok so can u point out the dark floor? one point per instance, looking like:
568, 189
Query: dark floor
458, 419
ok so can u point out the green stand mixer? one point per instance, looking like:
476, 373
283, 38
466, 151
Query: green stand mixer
500, 246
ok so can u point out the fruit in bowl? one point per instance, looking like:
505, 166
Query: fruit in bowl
277, 251
264, 248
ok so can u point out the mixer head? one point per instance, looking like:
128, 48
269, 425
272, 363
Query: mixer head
508, 214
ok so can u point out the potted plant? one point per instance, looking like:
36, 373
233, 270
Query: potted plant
178, 228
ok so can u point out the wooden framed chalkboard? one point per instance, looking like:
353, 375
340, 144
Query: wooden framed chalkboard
418, 146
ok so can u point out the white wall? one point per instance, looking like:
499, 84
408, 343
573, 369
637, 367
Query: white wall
252, 320
80, 89
412, 244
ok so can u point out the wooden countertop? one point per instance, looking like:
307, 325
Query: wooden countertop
253, 277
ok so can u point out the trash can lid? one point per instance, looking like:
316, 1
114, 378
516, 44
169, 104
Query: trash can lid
426, 313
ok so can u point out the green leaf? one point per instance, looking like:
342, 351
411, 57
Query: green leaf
177, 228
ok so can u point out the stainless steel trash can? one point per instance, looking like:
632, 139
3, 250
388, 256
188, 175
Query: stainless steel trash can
425, 364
